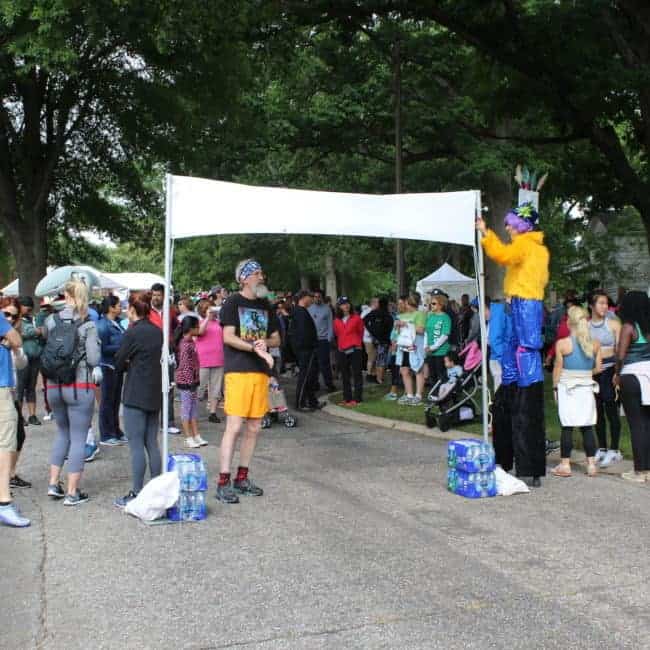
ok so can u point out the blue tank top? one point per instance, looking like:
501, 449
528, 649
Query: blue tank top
578, 360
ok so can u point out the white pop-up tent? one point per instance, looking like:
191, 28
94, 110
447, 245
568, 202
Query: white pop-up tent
449, 280
199, 207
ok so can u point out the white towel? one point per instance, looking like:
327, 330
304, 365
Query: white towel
641, 370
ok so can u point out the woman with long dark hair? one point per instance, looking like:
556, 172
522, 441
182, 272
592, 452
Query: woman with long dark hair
633, 378
110, 334
605, 328
348, 329
139, 358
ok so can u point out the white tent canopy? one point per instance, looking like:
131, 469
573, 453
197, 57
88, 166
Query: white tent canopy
12, 289
134, 281
449, 280
199, 207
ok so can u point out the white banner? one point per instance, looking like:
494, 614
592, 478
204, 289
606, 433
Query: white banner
206, 207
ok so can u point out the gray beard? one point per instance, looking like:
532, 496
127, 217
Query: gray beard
261, 291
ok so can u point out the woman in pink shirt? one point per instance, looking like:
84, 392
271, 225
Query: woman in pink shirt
209, 345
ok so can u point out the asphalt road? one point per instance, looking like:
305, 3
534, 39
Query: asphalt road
356, 544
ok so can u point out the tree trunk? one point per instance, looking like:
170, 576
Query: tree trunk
330, 277
28, 244
399, 162
499, 199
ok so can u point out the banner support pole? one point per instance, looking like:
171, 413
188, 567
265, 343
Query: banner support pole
164, 359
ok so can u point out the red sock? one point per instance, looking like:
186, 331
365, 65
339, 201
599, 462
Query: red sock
242, 473
224, 478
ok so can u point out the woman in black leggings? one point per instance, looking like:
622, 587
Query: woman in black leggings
632, 372
139, 357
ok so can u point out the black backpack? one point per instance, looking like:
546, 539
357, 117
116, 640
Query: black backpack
61, 354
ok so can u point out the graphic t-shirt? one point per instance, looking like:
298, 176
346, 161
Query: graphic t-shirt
438, 325
253, 320
6, 362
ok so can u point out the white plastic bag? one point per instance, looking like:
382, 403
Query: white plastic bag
507, 484
155, 497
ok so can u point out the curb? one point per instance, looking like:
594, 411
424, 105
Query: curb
578, 461
396, 425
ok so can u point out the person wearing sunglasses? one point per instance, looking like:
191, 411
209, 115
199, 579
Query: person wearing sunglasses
437, 331
10, 341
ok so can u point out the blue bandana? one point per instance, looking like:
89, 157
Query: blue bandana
248, 269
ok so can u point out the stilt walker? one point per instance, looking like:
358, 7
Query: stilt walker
519, 402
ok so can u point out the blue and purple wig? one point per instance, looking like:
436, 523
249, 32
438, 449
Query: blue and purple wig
523, 218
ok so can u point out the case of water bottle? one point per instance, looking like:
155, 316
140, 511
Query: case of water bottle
472, 485
470, 455
193, 481
471, 465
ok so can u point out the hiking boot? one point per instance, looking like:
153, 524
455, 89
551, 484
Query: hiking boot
32, 419
213, 417
226, 494
247, 488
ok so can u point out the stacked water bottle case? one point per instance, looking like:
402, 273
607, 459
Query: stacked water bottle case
193, 485
471, 465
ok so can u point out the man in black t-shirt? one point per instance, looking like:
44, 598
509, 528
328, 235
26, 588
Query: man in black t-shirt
304, 341
250, 327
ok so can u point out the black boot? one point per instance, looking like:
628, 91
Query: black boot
537, 482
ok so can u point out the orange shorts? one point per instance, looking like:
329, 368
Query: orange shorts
246, 394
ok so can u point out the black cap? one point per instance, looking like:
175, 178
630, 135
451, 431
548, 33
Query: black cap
27, 301
438, 292
342, 300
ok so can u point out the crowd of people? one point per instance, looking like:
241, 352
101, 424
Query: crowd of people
225, 348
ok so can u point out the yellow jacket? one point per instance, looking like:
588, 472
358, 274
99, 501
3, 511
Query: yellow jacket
526, 261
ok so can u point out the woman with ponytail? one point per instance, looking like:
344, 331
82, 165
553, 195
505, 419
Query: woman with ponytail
577, 359
72, 402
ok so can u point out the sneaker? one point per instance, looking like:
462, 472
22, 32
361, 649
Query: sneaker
122, 501
634, 477
600, 455
551, 446
612, 456
47, 417
415, 401
174, 431
391, 397
123, 440
110, 442
192, 443
55, 491
213, 417
18, 482
247, 488
405, 399
10, 516
75, 499
92, 451
202, 443
33, 420
331, 388
226, 494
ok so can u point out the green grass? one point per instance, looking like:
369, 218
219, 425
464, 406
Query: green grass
374, 404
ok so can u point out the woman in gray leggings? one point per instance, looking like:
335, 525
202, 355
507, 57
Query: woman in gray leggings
139, 357
73, 404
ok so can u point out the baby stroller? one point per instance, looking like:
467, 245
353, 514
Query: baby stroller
461, 403
279, 412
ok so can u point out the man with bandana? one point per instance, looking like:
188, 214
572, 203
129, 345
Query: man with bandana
250, 328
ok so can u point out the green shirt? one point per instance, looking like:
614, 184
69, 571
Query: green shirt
438, 325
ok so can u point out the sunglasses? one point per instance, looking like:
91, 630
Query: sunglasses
9, 315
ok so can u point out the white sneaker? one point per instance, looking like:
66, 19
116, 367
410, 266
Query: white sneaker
200, 440
173, 430
600, 454
611, 457
405, 399
47, 417
192, 443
